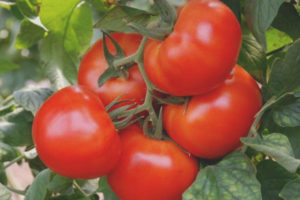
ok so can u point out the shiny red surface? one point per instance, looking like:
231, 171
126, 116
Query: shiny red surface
94, 64
151, 169
74, 135
213, 123
199, 54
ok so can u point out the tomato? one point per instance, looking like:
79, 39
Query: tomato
199, 54
94, 64
74, 135
150, 169
213, 123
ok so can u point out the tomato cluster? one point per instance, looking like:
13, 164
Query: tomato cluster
75, 137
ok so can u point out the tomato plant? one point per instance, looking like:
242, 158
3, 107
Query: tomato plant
151, 169
94, 64
195, 57
74, 135
212, 124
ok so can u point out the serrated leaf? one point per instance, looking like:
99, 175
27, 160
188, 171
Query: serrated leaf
272, 181
32, 99
106, 190
291, 190
284, 76
60, 184
6, 66
38, 189
118, 18
287, 115
277, 146
5, 194
29, 34
252, 56
259, 16
288, 20
7, 152
15, 128
27, 8
232, 178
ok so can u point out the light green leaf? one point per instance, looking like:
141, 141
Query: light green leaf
5, 194
29, 34
291, 190
6, 66
38, 189
277, 146
259, 16
27, 8
232, 178
60, 184
32, 99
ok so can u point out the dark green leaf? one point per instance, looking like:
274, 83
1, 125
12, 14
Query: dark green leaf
291, 190
284, 76
288, 115
32, 99
60, 184
15, 128
27, 8
167, 11
288, 20
252, 56
235, 6
259, 16
38, 189
106, 190
6, 66
277, 146
232, 178
5, 194
7, 152
108, 74
272, 178
118, 18
29, 34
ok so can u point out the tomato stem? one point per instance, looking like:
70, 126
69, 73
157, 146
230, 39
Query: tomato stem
124, 61
87, 197
17, 159
21, 192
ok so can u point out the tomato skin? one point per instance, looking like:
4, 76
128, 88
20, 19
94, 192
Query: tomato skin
151, 169
213, 123
195, 58
74, 135
94, 64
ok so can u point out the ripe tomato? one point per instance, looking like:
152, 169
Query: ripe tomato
199, 54
74, 135
150, 169
94, 64
213, 123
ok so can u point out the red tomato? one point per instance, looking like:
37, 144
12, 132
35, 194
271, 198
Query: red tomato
150, 169
94, 64
199, 54
213, 123
74, 135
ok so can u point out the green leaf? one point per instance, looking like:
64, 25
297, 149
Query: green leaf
252, 56
27, 8
32, 99
288, 20
106, 190
7, 152
6, 66
232, 178
235, 6
29, 34
272, 181
38, 189
291, 190
15, 128
277, 39
60, 184
259, 16
284, 77
5, 194
277, 146
288, 115
118, 18
89, 186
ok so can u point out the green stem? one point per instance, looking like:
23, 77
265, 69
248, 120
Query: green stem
87, 197
125, 60
21, 192
17, 159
